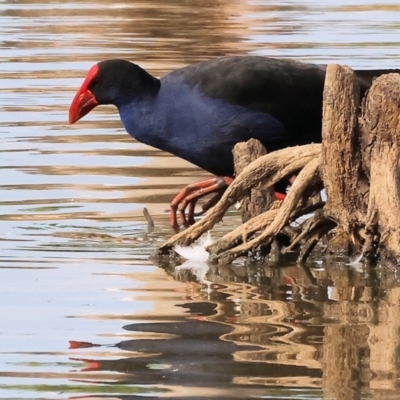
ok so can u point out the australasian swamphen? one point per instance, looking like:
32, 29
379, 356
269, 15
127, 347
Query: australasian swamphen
201, 111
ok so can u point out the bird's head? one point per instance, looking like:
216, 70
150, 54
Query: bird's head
111, 82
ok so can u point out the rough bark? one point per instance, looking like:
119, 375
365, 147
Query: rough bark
260, 197
345, 184
308, 177
243, 232
381, 143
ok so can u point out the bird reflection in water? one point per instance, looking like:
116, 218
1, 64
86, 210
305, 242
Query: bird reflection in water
195, 352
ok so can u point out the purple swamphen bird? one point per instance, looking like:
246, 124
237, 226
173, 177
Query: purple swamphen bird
201, 111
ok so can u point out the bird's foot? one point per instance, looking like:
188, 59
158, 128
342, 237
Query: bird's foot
188, 197
280, 196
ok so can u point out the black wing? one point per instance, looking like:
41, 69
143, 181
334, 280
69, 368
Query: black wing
289, 91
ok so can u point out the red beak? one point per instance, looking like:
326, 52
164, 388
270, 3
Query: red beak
84, 101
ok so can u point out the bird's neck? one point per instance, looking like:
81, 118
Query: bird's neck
147, 93
139, 118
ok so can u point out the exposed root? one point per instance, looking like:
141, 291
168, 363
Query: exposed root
243, 232
311, 228
260, 198
314, 236
308, 178
269, 169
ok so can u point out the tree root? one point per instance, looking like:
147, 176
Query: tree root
307, 179
243, 232
321, 226
269, 169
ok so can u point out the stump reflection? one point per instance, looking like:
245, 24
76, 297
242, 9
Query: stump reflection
340, 321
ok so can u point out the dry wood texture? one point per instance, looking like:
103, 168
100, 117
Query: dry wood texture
260, 197
342, 172
381, 141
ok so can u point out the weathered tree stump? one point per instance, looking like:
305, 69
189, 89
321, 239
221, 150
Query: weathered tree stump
260, 198
344, 180
357, 163
381, 144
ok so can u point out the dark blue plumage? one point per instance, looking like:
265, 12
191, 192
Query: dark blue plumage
185, 122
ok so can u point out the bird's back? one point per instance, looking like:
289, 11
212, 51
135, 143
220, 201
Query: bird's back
206, 108
290, 92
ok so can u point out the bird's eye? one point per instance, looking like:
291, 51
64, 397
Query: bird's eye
96, 82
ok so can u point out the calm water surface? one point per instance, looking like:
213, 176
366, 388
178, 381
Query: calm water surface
84, 313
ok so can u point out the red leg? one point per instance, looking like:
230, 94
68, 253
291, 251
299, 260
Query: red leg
281, 196
180, 196
189, 196
191, 213
196, 191
189, 220
204, 208
198, 194
220, 184
210, 203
